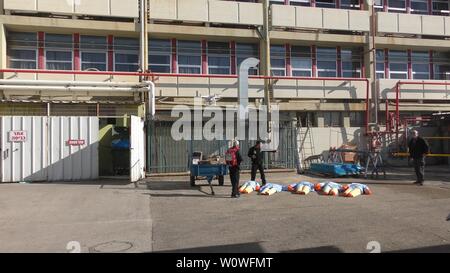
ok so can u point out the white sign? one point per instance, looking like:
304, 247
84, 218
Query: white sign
18, 136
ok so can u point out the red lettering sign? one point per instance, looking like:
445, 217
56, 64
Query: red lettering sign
76, 142
18, 136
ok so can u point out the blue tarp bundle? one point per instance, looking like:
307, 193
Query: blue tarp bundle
336, 170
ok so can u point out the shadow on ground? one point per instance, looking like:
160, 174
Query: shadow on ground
431, 249
237, 248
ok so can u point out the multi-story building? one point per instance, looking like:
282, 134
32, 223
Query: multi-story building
322, 51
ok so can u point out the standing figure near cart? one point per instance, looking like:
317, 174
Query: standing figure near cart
257, 157
234, 159
418, 150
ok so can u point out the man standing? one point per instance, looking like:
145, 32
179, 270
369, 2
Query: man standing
234, 159
418, 149
257, 158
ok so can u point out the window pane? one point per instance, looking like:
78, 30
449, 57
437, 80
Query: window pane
278, 63
189, 70
90, 66
58, 66
93, 42
189, 60
126, 67
189, 47
160, 59
161, 69
219, 61
59, 56
22, 39
22, 65
126, 58
160, 46
22, 54
93, 57
244, 51
301, 73
58, 41
124, 43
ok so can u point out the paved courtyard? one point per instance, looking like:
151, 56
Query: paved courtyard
164, 214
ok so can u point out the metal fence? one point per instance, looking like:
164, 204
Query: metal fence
165, 155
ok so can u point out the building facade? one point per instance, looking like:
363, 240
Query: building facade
322, 51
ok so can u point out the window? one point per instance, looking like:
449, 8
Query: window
440, 7
419, 6
244, 51
351, 63
278, 60
22, 50
441, 64
350, 4
301, 61
420, 65
333, 119
326, 62
189, 57
325, 3
93, 53
160, 56
219, 58
22, 58
398, 64
277, 2
380, 64
357, 119
306, 3
58, 52
379, 5
126, 54
397, 6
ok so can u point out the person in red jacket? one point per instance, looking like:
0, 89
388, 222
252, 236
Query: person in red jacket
234, 159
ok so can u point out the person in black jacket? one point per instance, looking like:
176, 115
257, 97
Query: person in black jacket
418, 149
257, 158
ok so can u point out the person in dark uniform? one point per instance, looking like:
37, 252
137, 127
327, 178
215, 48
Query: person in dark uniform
234, 160
418, 150
257, 158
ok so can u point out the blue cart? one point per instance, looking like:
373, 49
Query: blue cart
210, 172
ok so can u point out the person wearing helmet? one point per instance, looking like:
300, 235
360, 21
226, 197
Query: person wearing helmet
234, 159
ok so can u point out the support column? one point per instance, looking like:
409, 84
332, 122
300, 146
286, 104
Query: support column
110, 53
41, 50
233, 57
174, 57
3, 54
204, 58
369, 62
76, 52
266, 60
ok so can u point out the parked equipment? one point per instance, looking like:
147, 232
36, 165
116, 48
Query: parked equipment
213, 168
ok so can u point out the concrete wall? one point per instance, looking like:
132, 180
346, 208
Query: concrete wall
320, 18
113, 8
324, 138
413, 24
205, 11
414, 92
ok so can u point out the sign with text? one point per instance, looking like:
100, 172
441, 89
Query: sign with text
76, 142
18, 136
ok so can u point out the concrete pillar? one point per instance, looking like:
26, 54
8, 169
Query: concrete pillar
370, 61
3, 46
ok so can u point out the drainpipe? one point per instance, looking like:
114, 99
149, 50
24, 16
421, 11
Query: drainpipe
267, 64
